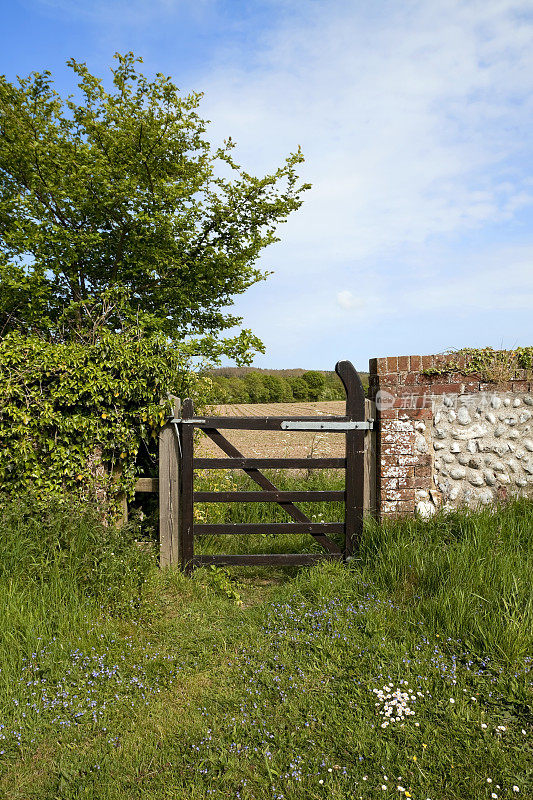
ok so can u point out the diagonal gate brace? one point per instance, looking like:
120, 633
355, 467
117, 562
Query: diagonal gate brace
264, 483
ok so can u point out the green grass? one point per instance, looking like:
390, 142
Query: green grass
119, 681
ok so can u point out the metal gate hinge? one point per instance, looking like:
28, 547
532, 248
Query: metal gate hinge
367, 425
175, 421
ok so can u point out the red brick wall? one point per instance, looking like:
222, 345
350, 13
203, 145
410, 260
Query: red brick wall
403, 397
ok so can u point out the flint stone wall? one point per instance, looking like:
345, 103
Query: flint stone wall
446, 441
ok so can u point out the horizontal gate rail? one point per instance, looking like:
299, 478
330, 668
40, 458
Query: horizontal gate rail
267, 559
268, 527
269, 463
268, 497
250, 423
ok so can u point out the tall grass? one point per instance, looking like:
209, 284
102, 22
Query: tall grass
119, 681
469, 571
60, 570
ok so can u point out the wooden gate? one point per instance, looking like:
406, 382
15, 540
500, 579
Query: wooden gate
177, 494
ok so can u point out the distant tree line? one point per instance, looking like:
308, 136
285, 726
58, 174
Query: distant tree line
260, 387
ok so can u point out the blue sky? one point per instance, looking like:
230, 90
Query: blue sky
415, 122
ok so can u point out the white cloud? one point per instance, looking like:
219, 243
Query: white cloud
404, 121
414, 118
349, 301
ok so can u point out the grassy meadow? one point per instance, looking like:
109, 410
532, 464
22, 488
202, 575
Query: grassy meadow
406, 673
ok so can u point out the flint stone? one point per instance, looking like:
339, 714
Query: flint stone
489, 476
499, 430
528, 400
486, 496
474, 432
528, 444
425, 510
496, 402
476, 480
501, 448
421, 446
463, 417
457, 473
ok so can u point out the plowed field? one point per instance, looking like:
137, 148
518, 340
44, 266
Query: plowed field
282, 444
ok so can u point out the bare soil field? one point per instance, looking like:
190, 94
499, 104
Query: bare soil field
280, 444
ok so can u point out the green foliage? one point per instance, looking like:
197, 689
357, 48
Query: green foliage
51, 541
316, 382
256, 387
300, 389
113, 209
77, 417
489, 364
218, 579
279, 390
260, 387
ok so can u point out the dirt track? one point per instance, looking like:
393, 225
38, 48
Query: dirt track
285, 443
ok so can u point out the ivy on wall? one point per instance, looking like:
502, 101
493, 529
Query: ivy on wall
493, 366
74, 416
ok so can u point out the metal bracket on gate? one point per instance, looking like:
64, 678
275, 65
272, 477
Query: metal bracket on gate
175, 421
368, 425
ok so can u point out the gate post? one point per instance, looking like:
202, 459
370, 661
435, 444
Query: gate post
169, 478
186, 497
355, 456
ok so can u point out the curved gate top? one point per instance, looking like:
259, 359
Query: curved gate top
176, 482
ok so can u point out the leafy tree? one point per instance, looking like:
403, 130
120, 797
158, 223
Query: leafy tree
274, 387
256, 388
286, 391
237, 390
316, 383
115, 210
300, 388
